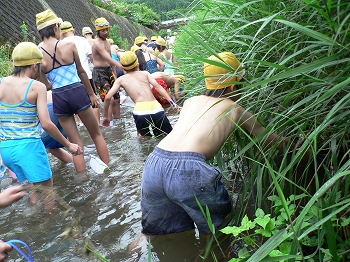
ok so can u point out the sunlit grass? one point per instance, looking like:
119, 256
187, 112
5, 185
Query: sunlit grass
297, 58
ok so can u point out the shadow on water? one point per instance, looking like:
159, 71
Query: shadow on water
108, 206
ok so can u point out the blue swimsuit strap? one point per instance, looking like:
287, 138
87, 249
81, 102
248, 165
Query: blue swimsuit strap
13, 243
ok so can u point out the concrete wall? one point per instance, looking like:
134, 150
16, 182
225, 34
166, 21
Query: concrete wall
79, 12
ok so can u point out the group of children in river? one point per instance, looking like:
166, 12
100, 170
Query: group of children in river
175, 174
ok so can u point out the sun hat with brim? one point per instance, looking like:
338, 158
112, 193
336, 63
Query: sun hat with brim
129, 60
140, 40
46, 18
134, 48
101, 23
161, 42
86, 30
154, 38
66, 27
219, 77
26, 53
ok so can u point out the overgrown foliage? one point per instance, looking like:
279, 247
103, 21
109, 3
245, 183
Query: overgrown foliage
297, 60
138, 13
165, 8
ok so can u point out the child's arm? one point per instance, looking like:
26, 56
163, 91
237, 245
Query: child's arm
11, 195
250, 123
161, 90
107, 101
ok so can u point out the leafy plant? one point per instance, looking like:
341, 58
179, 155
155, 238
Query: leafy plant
296, 56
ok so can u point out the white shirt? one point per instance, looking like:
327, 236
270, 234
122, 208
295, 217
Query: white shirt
84, 50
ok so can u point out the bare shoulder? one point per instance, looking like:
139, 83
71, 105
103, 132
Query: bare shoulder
38, 85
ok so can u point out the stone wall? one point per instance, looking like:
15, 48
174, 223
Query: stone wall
79, 12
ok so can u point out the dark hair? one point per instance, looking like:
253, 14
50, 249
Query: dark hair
160, 47
131, 70
19, 69
214, 93
47, 32
142, 60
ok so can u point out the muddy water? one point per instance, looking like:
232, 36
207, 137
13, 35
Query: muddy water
107, 205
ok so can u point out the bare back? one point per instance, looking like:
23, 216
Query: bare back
137, 86
204, 125
64, 54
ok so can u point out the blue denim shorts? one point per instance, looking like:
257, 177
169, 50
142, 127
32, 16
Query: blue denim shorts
171, 183
27, 158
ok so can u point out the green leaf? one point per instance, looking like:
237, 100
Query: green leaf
259, 212
232, 230
246, 224
262, 221
263, 232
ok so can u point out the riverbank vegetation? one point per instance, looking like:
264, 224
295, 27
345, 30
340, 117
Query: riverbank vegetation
297, 60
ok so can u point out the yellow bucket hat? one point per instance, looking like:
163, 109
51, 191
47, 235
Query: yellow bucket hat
26, 53
154, 38
134, 48
66, 27
46, 18
219, 77
140, 39
86, 30
129, 60
160, 41
181, 78
101, 23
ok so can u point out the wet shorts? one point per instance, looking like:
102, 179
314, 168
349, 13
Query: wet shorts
70, 99
49, 141
161, 99
103, 80
171, 182
27, 158
151, 114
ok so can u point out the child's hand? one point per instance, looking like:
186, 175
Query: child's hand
11, 195
105, 122
75, 149
4, 249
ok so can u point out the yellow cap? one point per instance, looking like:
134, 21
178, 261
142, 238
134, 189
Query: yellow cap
161, 42
221, 77
66, 27
134, 48
181, 78
140, 39
26, 53
46, 18
154, 38
129, 60
101, 23
86, 30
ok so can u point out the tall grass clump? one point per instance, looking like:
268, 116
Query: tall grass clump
297, 58
6, 66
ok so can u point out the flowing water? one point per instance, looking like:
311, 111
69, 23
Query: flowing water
106, 209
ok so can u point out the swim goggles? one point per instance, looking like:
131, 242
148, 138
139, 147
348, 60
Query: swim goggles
102, 24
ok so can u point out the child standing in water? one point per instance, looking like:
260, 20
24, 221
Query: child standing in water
22, 101
72, 92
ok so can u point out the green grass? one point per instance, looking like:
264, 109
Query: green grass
297, 59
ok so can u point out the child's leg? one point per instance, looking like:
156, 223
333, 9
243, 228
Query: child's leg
70, 127
61, 154
89, 120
